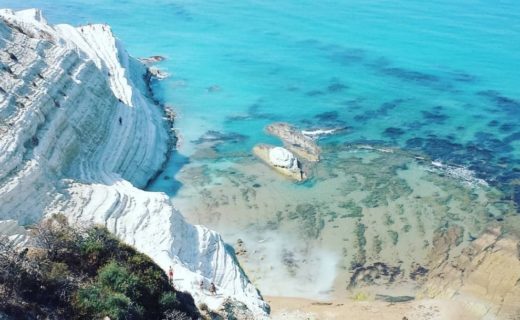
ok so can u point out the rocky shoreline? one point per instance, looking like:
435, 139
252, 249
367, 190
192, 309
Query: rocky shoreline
169, 113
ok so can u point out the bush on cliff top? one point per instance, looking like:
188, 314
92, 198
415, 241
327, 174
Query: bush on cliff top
85, 274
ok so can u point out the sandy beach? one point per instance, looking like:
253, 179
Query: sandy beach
286, 308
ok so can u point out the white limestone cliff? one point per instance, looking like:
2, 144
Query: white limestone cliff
80, 136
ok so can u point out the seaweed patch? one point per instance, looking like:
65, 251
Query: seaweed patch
436, 116
219, 137
393, 133
507, 104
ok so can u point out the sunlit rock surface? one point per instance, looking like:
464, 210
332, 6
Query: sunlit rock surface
280, 159
296, 141
484, 277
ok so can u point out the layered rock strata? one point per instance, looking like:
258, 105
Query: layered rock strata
484, 277
80, 135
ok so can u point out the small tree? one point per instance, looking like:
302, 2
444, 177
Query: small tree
10, 268
55, 235
97, 247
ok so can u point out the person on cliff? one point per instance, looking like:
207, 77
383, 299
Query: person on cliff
170, 275
213, 289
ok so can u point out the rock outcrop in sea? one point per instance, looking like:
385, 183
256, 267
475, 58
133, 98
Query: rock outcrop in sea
280, 159
285, 159
294, 140
80, 135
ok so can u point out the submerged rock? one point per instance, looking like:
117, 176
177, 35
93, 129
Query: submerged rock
158, 73
213, 88
294, 140
152, 59
281, 159
378, 273
213, 136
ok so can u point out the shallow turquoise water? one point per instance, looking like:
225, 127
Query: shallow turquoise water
441, 77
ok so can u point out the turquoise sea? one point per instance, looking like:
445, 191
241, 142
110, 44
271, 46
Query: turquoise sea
439, 78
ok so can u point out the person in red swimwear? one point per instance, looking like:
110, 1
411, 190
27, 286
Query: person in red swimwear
170, 275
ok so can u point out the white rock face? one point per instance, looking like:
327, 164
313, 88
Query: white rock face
15, 233
284, 158
79, 135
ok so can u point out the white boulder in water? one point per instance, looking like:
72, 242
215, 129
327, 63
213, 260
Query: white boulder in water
284, 158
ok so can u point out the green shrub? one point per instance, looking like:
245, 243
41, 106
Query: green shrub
97, 302
59, 271
116, 278
169, 301
85, 274
97, 247
89, 300
119, 306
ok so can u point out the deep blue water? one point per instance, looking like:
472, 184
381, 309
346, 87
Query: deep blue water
440, 77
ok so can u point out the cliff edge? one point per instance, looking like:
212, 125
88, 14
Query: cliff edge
80, 136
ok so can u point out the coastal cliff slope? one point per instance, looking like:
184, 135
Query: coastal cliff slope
80, 135
484, 278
